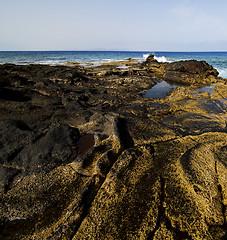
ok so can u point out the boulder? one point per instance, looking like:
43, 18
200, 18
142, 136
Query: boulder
150, 59
190, 72
153, 66
192, 66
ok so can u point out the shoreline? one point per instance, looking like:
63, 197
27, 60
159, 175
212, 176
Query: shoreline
161, 57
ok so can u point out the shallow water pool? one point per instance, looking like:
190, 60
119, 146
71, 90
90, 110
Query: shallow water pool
159, 90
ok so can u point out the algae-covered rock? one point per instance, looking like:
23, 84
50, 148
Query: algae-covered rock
166, 190
85, 156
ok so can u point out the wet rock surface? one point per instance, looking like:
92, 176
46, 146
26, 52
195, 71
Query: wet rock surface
85, 156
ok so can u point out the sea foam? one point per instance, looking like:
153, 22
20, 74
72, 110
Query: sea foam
223, 72
146, 55
159, 59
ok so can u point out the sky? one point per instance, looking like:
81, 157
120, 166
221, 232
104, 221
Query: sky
139, 25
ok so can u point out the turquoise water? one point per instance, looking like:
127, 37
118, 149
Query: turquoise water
216, 59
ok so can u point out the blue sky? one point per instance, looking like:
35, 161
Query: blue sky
154, 25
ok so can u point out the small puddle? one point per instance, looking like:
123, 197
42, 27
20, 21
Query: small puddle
213, 107
159, 90
122, 67
89, 65
94, 65
83, 64
85, 143
208, 89
222, 103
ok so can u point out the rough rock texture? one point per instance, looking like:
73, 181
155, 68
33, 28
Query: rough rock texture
154, 67
85, 156
190, 72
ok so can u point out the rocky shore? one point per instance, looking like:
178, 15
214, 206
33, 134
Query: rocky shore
85, 154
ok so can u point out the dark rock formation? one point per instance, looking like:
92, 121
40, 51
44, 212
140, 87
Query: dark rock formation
150, 59
84, 156
190, 72
154, 67
192, 66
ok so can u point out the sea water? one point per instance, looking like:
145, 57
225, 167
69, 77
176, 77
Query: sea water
217, 59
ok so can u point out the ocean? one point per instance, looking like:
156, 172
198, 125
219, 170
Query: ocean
217, 59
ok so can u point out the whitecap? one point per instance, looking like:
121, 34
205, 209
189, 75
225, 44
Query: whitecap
146, 55
49, 62
161, 59
223, 73
108, 60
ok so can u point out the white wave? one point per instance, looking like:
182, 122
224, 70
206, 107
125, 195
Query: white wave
161, 59
50, 62
146, 55
223, 73
107, 60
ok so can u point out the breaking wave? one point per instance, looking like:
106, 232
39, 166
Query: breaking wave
222, 72
159, 59
146, 55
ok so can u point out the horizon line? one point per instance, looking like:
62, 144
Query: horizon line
112, 51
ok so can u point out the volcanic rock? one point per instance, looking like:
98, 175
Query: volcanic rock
190, 72
85, 156
150, 59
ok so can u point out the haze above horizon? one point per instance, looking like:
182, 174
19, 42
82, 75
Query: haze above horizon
125, 25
